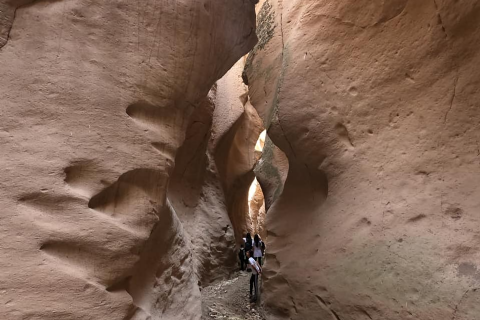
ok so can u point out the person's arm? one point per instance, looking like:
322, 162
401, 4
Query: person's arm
258, 267
253, 263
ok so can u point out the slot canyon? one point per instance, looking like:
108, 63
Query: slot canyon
141, 140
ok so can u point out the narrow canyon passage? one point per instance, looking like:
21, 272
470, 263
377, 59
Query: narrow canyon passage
229, 298
140, 141
371, 158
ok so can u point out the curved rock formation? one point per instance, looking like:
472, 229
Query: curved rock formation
374, 104
126, 165
235, 158
96, 100
213, 172
271, 172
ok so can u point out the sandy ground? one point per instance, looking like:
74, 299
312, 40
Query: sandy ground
229, 299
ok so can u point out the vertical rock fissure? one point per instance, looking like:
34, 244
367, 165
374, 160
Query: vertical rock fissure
452, 99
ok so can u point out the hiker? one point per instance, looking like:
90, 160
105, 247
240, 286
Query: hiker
242, 257
256, 271
258, 248
248, 242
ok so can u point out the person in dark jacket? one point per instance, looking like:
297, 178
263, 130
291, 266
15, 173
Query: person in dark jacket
248, 242
242, 257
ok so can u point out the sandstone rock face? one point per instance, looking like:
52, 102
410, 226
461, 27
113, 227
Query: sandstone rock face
96, 100
235, 158
256, 209
271, 172
375, 105
126, 176
213, 172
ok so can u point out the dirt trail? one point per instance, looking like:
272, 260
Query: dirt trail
229, 299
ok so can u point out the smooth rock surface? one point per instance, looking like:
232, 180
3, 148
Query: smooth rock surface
96, 99
376, 107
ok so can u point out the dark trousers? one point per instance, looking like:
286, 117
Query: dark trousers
243, 264
254, 283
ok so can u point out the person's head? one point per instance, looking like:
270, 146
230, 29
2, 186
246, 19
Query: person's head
249, 254
256, 239
241, 246
248, 236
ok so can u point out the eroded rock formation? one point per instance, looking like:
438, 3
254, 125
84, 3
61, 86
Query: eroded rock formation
125, 175
374, 104
96, 100
271, 172
236, 158
213, 171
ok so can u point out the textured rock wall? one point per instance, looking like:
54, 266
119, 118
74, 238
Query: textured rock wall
375, 105
96, 98
235, 159
271, 172
256, 209
203, 167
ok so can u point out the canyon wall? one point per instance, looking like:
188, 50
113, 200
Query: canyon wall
375, 104
96, 99
212, 175
126, 176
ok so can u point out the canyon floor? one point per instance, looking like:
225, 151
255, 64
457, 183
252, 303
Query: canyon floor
229, 299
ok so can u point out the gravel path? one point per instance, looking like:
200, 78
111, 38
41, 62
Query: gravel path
229, 299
